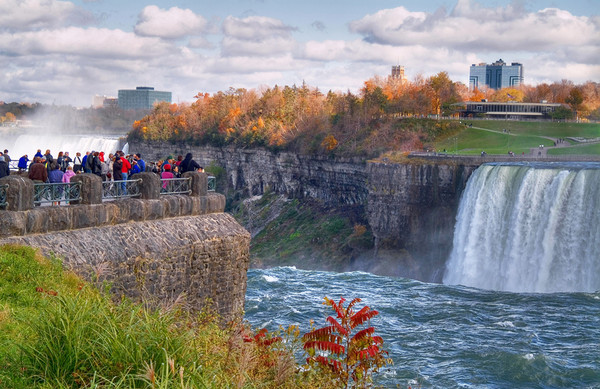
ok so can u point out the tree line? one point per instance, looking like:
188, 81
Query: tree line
382, 115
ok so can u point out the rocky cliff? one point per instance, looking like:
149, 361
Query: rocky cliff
409, 206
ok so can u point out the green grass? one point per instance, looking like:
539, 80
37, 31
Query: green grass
303, 234
58, 332
488, 136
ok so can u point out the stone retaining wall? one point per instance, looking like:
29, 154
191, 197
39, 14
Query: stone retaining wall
188, 259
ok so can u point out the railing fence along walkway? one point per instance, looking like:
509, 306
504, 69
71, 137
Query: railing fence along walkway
67, 193
56, 192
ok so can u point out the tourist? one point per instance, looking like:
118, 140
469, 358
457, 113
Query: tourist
117, 168
60, 160
66, 161
38, 154
66, 178
22, 165
166, 174
95, 164
189, 165
4, 169
37, 170
141, 163
126, 167
55, 177
77, 163
6, 157
88, 161
104, 168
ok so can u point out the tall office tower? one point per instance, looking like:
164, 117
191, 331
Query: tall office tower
142, 97
496, 76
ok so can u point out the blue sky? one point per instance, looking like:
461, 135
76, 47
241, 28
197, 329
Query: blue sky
65, 52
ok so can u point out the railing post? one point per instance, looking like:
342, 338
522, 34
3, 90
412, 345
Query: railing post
150, 185
199, 184
91, 188
19, 195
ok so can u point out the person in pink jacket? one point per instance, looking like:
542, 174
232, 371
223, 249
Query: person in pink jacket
166, 174
66, 178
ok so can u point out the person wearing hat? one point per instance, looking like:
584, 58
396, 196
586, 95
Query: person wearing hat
166, 174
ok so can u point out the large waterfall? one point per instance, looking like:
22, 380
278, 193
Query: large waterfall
19, 144
529, 228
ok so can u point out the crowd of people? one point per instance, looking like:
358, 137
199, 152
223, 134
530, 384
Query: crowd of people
45, 168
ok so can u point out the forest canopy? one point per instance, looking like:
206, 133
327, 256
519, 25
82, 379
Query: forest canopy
386, 113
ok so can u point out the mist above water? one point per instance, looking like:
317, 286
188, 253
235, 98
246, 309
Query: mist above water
21, 141
529, 228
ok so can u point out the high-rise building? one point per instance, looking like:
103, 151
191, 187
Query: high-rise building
142, 97
398, 73
496, 76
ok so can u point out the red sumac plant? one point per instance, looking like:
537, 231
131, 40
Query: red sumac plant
347, 346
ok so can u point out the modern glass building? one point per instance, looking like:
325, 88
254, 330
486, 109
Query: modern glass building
496, 76
142, 97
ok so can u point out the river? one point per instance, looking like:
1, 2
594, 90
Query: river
442, 336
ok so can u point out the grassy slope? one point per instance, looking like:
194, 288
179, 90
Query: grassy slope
489, 136
59, 332
302, 233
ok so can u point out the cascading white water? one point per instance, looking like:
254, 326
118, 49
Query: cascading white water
529, 228
29, 143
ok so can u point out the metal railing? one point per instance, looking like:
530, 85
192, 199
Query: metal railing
56, 192
120, 189
176, 186
212, 183
3, 189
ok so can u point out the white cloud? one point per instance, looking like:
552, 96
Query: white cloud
256, 36
83, 42
255, 28
474, 28
169, 24
20, 15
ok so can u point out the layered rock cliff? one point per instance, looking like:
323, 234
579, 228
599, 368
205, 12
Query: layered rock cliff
408, 206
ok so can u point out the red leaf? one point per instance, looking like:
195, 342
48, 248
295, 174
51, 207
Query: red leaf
362, 334
337, 326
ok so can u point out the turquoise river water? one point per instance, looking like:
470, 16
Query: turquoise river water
442, 336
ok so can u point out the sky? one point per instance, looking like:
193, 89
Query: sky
65, 52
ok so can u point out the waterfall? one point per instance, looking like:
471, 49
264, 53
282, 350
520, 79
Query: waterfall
529, 228
28, 143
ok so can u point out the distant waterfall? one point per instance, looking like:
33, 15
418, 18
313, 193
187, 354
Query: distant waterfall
28, 143
529, 228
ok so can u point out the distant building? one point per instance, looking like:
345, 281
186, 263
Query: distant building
110, 102
508, 110
398, 73
99, 101
142, 97
496, 76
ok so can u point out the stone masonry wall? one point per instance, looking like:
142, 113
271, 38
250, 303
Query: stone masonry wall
186, 258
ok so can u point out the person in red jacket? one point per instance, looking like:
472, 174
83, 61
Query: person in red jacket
124, 171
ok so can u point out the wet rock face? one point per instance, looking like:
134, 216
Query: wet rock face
189, 259
408, 206
414, 207
335, 181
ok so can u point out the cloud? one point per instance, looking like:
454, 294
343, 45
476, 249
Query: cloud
255, 28
472, 27
83, 42
173, 23
22, 15
256, 36
318, 25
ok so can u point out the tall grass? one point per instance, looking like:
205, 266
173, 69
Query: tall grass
59, 332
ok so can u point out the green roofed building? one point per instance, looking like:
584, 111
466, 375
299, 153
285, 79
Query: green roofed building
142, 97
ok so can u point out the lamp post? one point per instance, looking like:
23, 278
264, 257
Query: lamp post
455, 146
